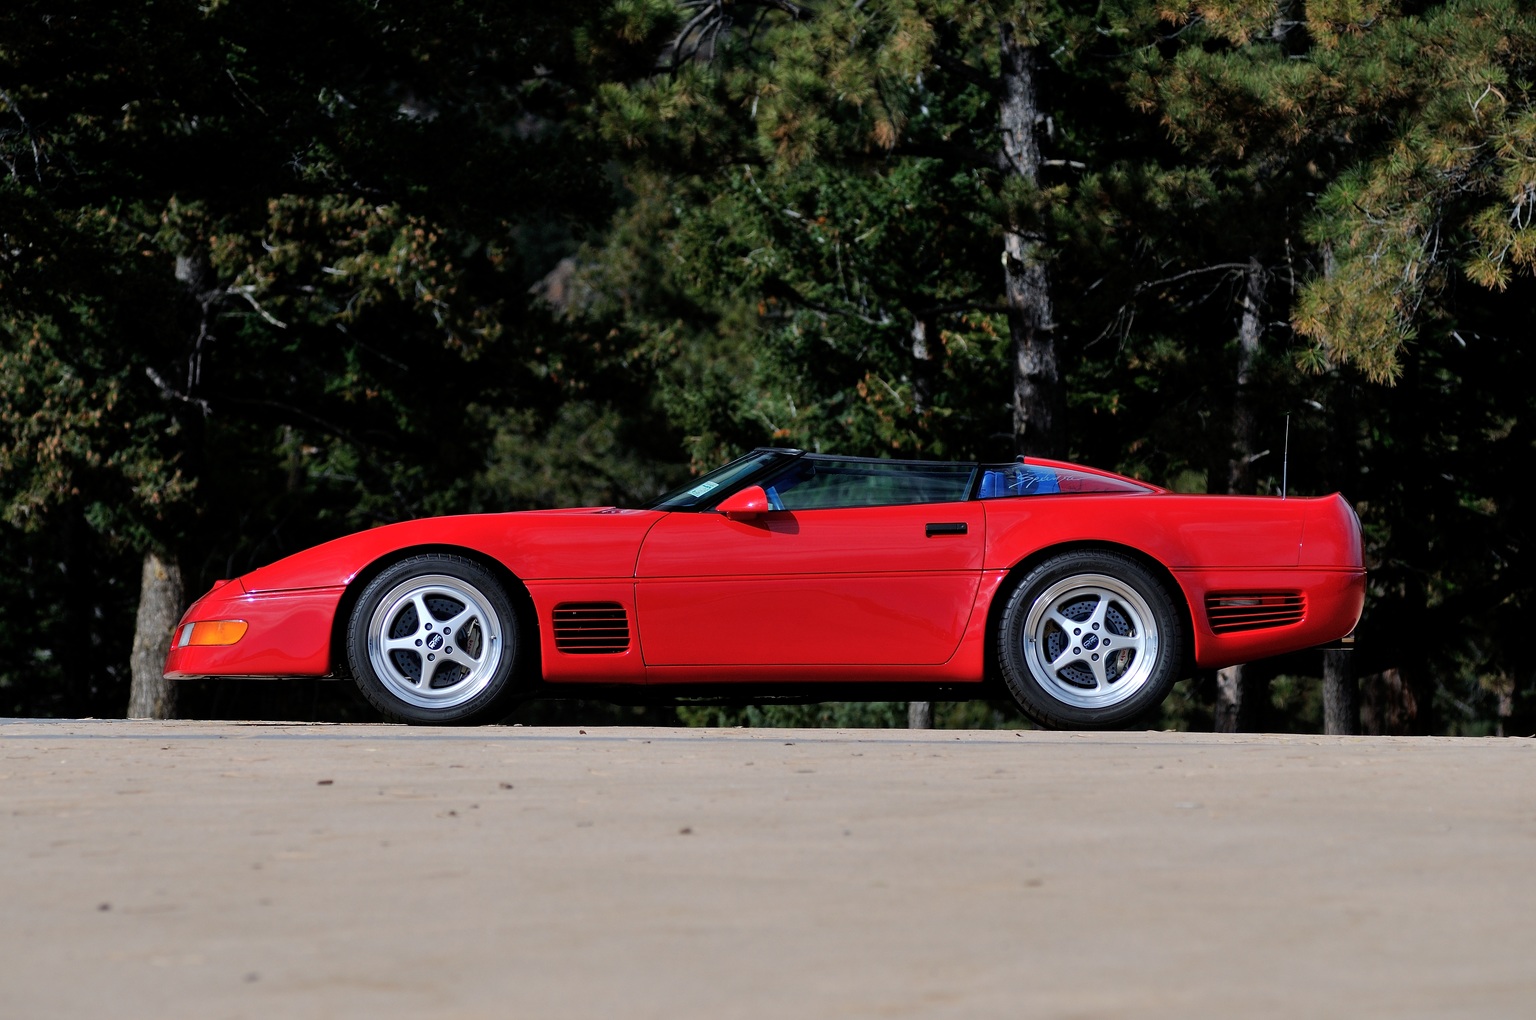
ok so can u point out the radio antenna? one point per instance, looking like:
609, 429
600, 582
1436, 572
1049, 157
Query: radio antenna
1285, 456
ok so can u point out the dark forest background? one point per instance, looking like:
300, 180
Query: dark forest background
272, 272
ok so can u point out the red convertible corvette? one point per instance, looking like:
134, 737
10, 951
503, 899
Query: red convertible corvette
1087, 594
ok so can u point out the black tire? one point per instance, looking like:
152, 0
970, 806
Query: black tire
1090, 640
403, 642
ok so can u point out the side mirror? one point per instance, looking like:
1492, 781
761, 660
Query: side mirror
749, 502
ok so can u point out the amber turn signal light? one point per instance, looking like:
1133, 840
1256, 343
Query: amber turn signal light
212, 632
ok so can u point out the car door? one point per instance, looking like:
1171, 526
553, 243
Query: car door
810, 586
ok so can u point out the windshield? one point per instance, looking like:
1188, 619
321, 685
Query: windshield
713, 485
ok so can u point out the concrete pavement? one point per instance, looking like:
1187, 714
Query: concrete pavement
240, 870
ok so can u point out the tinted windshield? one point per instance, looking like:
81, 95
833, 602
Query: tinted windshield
713, 485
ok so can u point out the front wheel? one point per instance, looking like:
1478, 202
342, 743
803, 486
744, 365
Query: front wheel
1090, 640
434, 640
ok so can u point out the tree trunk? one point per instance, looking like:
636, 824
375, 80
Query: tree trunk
1341, 706
924, 366
1237, 699
1038, 403
161, 591
1388, 706
160, 605
919, 715
1249, 332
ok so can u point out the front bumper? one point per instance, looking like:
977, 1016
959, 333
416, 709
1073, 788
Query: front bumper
288, 634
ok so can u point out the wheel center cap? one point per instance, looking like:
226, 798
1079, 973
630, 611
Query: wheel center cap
434, 641
1090, 641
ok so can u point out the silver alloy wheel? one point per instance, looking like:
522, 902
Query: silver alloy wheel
1091, 641
434, 641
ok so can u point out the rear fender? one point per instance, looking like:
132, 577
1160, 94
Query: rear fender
1021, 569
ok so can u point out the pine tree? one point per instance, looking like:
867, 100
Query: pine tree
872, 169
1412, 127
261, 266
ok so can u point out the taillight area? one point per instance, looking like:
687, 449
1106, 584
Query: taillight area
1332, 536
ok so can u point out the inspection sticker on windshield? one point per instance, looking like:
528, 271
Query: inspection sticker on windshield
702, 488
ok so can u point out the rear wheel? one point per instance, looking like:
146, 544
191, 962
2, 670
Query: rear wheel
434, 639
1090, 640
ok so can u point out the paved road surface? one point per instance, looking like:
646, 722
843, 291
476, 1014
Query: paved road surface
224, 870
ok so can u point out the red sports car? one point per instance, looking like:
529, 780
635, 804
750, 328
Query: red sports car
1086, 593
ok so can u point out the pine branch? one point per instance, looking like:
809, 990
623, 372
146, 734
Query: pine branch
1221, 267
292, 414
38, 156
170, 392
794, 10
951, 307
779, 288
965, 72
704, 27
953, 152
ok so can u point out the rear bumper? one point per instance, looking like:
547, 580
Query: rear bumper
1334, 600
288, 634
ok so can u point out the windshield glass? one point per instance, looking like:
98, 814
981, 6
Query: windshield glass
713, 485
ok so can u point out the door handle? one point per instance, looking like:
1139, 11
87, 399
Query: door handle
947, 528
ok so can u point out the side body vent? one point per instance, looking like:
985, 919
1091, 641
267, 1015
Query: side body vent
591, 628
1238, 611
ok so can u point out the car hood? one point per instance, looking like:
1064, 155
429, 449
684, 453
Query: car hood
580, 542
